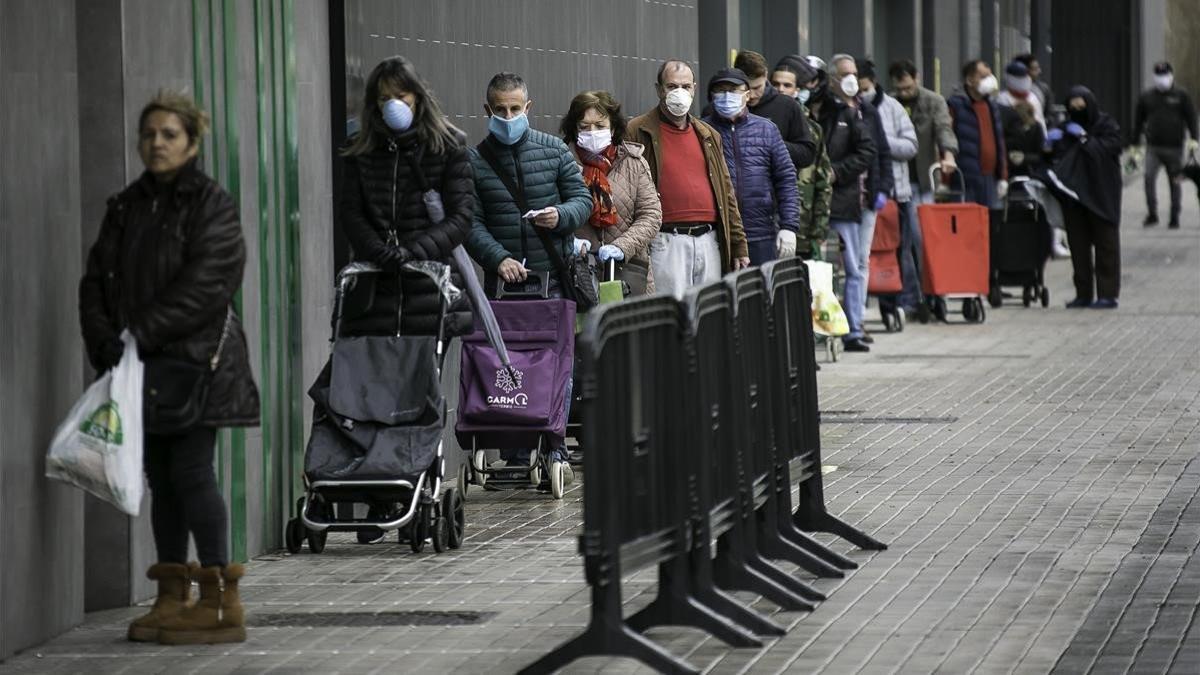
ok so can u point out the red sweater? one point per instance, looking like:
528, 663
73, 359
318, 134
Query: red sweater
687, 196
987, 138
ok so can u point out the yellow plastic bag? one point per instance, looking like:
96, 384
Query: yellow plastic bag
828, 316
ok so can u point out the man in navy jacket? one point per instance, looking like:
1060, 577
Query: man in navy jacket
764, 177
981, 154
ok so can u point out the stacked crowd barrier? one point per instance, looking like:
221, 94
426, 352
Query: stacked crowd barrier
695, 414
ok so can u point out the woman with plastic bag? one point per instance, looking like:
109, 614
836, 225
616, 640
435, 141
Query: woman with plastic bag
165, 268
405, 149
626, 213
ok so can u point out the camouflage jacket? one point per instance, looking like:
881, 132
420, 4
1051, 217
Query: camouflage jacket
816, 191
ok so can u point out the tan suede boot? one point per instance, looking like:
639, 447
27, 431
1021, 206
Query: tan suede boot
174, 584
216, 618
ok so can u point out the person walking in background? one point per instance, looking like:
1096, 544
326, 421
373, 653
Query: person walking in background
545, 174
626, 213
166, 266
766, 101
794, 77
851, 153
1166, 115
762, 172
903, 146
981, 155
701, 236
1087, 174
404, 147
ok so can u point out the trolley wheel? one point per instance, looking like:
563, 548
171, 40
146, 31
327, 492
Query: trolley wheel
440, 531
464, 479
835, 349
316, 540
418, 530
901, 318
455, 516
293, 535
556, 480
1045, 297
1027, 295
939, 309
981, 313
995, 295
479, 460
969, 311
923, 312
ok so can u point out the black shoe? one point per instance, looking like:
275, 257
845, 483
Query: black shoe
1151, 220
856, 345
1079, 303
1104, 303
1173, 225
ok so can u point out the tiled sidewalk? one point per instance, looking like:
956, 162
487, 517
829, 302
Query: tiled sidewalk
1036, 477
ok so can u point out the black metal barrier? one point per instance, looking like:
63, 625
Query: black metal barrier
695, 413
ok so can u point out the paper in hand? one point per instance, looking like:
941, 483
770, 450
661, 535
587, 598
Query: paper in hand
531, 214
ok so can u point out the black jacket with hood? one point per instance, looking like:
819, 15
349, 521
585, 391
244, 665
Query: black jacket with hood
1087, 169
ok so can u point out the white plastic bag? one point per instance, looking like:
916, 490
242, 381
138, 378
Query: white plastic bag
828, 317
98, 448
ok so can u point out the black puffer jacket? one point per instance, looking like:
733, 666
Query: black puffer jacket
851, 153
382, 192
166, 266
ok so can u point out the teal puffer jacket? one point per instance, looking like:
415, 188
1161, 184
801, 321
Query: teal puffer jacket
550, 177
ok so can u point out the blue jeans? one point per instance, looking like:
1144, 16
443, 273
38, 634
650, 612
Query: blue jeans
866, 236
910, 253
762, 251
848, 230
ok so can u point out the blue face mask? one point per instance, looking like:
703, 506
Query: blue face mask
397, 115
508, 131
802, 95
728, 104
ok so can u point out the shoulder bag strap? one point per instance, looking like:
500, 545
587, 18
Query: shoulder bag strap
556, 258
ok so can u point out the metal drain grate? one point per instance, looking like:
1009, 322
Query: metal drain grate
369, 619
928, 357
836, 419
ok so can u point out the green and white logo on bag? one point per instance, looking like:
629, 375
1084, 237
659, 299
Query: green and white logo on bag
104, 424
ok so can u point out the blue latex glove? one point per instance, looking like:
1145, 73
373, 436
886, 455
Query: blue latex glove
880, 201
1074, 129
1054, 135
581, 246
610, 252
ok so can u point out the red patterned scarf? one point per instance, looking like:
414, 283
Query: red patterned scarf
595, 176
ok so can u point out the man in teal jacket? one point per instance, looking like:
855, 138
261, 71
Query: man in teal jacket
502, 241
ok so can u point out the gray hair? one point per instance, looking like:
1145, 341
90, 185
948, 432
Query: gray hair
501, 82
838, 58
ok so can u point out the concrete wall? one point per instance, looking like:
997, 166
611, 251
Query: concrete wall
41, 368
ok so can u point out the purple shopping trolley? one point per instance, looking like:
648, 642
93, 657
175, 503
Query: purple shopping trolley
522, 406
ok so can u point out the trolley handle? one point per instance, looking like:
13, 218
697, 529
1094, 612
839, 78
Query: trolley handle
539, 288
935, 178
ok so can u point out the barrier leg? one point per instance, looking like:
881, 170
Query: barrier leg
735, 570
826, 522
608, 635
780, 532
706, 589
677, 605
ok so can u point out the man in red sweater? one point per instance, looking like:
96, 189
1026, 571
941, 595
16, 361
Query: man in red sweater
702, 235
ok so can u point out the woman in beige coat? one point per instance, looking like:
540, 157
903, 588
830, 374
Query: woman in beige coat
626, 214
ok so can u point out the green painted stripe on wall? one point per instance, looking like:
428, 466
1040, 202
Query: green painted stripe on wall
292, 195
264, 280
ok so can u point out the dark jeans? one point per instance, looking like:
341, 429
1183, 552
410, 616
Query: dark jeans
184, 497
910, 254
762, 251
1172, 159
1087, 231
980, 189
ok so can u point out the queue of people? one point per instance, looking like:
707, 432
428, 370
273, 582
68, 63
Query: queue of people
780, 158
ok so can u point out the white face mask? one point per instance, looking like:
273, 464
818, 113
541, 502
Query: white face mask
849, 85
1164, 82
679, 102
988, 86
594, 141
868, 93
